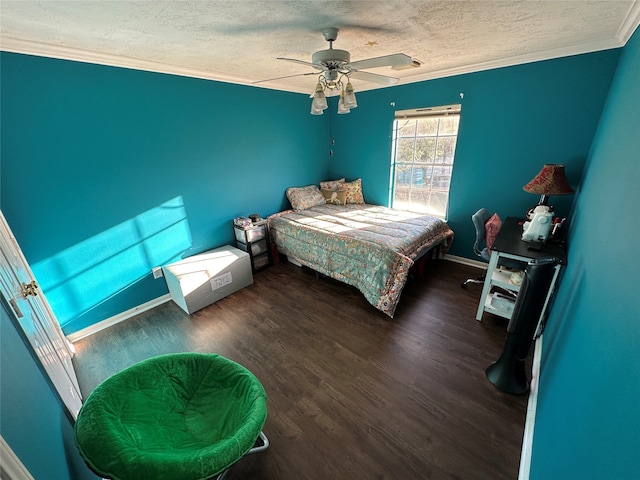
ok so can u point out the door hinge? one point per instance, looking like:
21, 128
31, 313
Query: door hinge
30, 288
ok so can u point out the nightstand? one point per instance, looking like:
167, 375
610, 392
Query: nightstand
254, 240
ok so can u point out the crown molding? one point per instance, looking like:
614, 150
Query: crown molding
568, 51
630, 23
27, 47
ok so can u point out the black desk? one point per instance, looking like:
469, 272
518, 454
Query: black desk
509, 244
509, 241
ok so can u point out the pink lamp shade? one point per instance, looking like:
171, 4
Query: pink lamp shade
551, 180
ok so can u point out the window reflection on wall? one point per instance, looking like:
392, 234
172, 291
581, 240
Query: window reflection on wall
83, 276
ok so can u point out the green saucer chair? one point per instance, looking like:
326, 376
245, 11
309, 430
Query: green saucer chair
186, 416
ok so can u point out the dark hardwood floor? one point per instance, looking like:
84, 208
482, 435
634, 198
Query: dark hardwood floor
352, 394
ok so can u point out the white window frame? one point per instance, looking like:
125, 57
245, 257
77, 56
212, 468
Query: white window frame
429, 112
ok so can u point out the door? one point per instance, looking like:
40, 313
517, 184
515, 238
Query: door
37, 320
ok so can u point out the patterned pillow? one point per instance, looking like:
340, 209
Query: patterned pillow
335, 197
354, 191
491, 230
332, 184
302, 198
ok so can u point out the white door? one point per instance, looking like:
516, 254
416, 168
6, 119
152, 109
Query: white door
36, 318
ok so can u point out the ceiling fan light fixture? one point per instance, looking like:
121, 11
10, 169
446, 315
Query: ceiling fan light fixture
350, 97
319, 101
335, 65
342, 108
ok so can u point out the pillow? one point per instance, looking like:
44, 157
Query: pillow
302, 198
332, 184
335, 197
491, 229
354, 191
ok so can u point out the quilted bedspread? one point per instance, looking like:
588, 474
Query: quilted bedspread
367, 246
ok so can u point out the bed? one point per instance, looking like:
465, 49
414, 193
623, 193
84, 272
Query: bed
367, 246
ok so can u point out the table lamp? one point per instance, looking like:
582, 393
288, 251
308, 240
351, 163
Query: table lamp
551, 180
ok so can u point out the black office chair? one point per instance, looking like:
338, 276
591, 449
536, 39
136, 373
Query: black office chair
481, 249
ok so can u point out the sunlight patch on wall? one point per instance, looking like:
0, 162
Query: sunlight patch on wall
85, 275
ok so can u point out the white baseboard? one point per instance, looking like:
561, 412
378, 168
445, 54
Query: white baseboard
121, 317
527, 438
11, 464
465, 261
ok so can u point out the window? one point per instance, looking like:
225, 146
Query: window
424, 143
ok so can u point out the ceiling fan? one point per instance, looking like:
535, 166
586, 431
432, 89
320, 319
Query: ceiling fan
333, 63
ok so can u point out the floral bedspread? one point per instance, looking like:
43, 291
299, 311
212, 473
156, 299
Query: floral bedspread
367, 246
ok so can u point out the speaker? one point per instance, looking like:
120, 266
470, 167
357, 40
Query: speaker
508, 373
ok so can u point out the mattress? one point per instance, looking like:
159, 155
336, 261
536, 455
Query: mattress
367, 246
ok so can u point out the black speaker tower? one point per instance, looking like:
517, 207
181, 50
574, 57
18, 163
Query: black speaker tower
508, 372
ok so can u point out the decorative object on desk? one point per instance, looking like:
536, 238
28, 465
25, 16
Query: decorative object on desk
538, 227
558, 232
508, 373
551, 180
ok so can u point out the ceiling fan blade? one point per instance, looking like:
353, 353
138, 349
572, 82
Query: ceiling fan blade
395, 60
302, 62
373, 77
286, 76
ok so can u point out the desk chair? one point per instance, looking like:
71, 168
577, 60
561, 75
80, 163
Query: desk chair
482, 249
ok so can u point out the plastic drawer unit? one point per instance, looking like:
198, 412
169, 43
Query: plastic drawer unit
254, 239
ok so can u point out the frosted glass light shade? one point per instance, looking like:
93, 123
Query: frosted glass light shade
350, 97
319, 99
316, 111
342, 108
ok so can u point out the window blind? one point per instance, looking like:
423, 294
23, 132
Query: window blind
429, 112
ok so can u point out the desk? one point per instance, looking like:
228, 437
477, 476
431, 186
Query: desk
509, 244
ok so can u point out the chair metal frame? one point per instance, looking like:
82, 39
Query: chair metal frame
257, 448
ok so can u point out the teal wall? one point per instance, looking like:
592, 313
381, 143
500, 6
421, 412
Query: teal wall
513, 121
30, 413
109, 172
588, 422
128, 170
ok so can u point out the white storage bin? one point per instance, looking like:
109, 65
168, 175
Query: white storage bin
203, 279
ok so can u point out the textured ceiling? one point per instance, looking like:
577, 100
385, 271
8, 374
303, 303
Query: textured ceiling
239, 41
